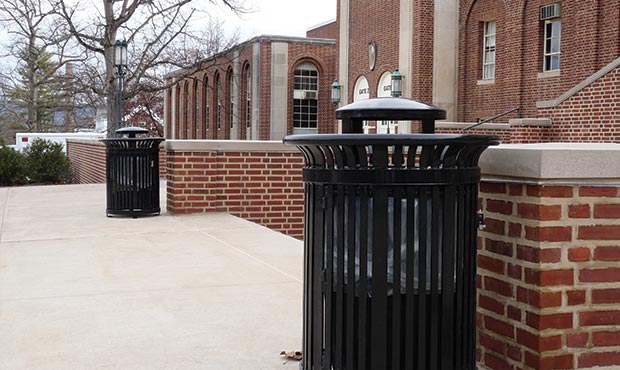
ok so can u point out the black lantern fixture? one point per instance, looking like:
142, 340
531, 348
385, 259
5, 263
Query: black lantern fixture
120, 62
397, 83
336, 92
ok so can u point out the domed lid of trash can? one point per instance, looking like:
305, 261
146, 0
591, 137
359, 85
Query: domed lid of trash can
390, 109
131, 131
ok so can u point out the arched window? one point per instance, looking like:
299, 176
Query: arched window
168, 132
305, 98
384, 90
177, 112
231, 99
205, 106
361, 91
196, 111
217, 103
187, 107
247, 87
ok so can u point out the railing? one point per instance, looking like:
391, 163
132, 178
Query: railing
492, 118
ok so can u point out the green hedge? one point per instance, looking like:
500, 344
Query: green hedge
41, 162
12, 167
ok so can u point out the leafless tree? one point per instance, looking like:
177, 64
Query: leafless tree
159, 36
36, 85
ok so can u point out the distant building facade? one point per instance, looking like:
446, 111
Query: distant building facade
262, 89
552, 64
479, 58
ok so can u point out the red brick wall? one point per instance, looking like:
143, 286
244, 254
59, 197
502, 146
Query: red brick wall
372, 21
509, 135
590, 40
87, 161
326, 31
591, 115
422, 50
548, 276
264, 187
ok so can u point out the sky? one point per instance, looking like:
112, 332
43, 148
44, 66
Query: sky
280, 17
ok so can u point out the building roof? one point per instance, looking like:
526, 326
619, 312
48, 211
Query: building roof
253, 40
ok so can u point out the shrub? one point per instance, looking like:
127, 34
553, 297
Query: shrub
12, 171
46, 162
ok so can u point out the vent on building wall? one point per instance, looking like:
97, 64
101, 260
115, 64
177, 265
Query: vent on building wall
309, 95
550, 11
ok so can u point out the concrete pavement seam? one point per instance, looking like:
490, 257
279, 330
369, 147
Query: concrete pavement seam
251, 256
3, 213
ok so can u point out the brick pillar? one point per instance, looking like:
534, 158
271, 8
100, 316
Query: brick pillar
548, 271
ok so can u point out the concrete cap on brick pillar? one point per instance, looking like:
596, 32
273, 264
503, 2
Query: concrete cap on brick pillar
561, 162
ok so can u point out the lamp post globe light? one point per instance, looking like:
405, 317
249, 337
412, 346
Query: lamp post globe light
397, 83
336, 92
120, 62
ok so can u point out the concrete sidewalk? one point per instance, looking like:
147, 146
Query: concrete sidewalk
80, 291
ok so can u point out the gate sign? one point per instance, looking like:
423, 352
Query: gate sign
384, 90
361, 90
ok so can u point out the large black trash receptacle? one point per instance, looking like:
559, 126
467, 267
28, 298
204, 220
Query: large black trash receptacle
390, 250
132, 174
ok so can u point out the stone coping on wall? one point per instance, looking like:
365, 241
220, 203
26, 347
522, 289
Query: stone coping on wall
86, 141
93, 142
533, 122
462, 125
553, 163
580, 86
227, 146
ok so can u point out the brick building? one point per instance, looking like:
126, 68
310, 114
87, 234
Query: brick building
554, 64
262, 89
479, 58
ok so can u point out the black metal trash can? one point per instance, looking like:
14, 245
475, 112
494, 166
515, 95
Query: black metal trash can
132, 174
390, 250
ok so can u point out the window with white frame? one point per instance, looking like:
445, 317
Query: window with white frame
488, 50
305, 94
552, 36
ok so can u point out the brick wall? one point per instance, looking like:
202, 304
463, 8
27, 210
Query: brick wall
325, 31
590, 40
591, 114
257, 181
88, 161
514, 133
548, 273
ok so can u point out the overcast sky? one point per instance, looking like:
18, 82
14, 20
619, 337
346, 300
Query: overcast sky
281, 17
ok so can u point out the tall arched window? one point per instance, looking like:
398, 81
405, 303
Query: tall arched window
168, 130
177, 112
305, 98
217, 103
205, 106
247, 94
196, 111
230, 98
186, 110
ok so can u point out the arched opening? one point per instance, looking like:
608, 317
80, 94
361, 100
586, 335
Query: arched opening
305, 99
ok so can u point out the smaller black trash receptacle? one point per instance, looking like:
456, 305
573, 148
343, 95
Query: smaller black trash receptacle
132, 174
